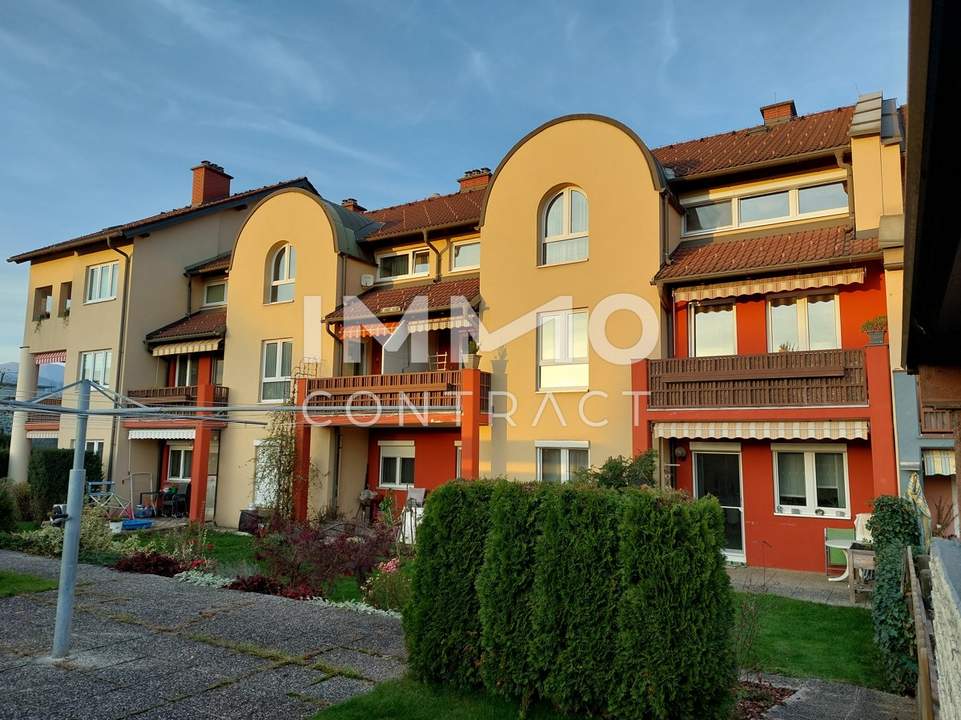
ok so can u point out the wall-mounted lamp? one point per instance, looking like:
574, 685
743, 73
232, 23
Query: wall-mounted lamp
680, 452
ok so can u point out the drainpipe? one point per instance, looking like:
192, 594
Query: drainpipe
122, 339
839, 158
436, 252
190, 290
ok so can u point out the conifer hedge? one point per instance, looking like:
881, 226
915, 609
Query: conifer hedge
598, 601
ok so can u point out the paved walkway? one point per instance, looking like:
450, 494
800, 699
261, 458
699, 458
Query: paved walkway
791, 583
151, 648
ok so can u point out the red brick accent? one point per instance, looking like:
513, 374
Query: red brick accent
201, 449
302, 455
475, 179
210, 183
778, 112
881, 412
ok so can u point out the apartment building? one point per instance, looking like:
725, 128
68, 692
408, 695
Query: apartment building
704, 299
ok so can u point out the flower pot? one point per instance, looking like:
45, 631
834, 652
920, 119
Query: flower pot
116, 526
876, 337
472, 361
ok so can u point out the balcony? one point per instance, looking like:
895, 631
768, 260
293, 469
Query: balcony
183, 395
39, 420
936, 419
784, 379
410, 392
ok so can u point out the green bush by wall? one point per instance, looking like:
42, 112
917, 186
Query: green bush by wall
442, 623
599, 601
894, 527
4, 462
49, 475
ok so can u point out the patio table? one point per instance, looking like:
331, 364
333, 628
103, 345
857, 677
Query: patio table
845, 547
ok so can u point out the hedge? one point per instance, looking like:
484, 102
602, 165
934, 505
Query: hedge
599, 601
894, 527
49, 476
4, 462
442, 622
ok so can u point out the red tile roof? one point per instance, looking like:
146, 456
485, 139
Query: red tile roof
395, 300
206, 323
728, 151
808, 247
219, 263
167, 215
437, 211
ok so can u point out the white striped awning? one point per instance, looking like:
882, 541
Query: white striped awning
194, 346
762, 286
161, 434
765, 430
939, 462
54, 356
357, 331
42, 434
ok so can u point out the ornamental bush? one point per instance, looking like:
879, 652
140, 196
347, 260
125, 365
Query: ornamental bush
49, 477
894, 527
442, 622
8, 508
598, 601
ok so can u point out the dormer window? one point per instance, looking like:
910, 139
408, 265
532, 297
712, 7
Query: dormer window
403, 264
215, 293
564, 235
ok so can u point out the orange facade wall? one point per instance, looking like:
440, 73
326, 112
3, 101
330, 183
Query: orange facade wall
857, 303
434, 458
785, 541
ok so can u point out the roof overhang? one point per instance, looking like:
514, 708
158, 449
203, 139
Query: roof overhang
932, 237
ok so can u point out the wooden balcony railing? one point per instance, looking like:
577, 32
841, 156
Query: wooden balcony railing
784, 379
428, 390
38, 417
183, 395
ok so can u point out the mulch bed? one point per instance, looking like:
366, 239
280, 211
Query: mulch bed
755, 699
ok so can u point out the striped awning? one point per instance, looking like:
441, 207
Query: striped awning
42, 434
161, 434
358, 331
183, 348
54, 356
769, 430
763, 286
939, 462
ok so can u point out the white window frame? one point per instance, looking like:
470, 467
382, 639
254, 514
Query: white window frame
189, 361
94, 446
453, 267
692, 327
97, 270
566, 233
395, 449
106, 361
211, 284
285, 277
409, 252
179, 448
570, 361
264, 378
458, 458
792, 187
810, 508
722, 448
804, 339
565, 446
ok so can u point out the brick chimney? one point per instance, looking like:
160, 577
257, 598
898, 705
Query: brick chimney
352, 205
778, 112
475, 179
210, 183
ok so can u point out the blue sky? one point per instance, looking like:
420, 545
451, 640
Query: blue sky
104, 106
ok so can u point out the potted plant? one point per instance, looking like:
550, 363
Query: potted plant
471, 359
116, 524
875, 329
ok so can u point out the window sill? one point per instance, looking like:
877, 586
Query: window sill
813, 516
101, 300
277, 302
405, 488
555, 391
564, 262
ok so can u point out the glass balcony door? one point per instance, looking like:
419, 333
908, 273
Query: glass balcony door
717, 472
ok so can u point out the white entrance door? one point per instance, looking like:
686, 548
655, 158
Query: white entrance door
717, 472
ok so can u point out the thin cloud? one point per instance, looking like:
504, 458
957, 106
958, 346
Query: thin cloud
24, 50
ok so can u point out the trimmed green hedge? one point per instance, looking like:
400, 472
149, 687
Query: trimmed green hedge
49, 476
442, 622
599, 601
894, 527
4, 462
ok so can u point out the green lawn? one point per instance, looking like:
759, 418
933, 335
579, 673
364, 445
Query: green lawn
13, 583
346, 588
806, 639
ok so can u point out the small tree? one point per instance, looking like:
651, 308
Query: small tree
620, 472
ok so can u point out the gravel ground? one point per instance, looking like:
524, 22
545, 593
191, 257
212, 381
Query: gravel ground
151, 647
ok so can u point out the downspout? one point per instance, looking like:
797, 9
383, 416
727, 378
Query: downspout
190, 289
122, 339
839, 158
436, 252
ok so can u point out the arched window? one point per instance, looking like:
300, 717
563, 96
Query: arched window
282, 271
564, 228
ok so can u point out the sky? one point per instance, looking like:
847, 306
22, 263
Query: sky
105, 106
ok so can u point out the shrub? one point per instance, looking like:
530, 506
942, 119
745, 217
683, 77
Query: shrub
675, 653
23, 499
149, 563
442, 622
619, 471
256, 584
893, 527
5, 460
48, 541
95, 534
49, 476
8, 508
505, 581
389, 586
